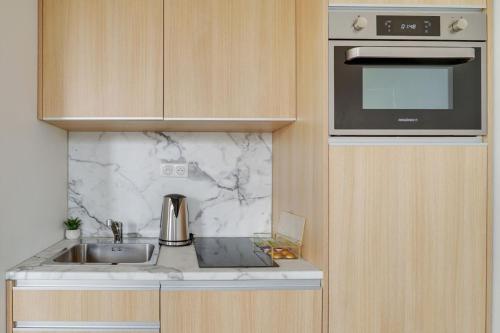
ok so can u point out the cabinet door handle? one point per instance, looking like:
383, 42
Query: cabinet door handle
85, 325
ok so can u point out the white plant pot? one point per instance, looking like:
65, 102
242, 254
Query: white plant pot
73, 234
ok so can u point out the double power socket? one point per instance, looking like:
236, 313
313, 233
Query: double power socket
174, 170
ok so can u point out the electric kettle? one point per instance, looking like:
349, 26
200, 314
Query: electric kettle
174, 229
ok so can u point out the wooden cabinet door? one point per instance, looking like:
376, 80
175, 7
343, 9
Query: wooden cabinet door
85, 305
230, 59
472, 3
102, 59
255, 311
408, 239
83, 330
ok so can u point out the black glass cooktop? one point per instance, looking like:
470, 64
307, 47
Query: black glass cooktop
219, 252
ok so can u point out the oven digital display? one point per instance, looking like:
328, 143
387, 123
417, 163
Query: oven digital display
408, 25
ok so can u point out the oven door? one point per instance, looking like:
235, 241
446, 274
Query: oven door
407, 88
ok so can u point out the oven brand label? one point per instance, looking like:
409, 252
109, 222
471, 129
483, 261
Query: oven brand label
408, 120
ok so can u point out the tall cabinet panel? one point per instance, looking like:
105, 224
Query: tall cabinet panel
230, 59
408, 239
102, 59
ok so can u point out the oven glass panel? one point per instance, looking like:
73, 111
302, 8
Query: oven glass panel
380, 98
407, 88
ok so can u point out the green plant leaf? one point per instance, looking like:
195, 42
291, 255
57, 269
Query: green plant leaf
72, 223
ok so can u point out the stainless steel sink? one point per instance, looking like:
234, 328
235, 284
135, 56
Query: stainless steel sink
98, 253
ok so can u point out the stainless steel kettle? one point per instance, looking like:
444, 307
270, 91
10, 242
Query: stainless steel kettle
174, 229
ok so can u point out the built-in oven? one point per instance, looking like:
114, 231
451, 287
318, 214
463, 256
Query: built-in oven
405, 72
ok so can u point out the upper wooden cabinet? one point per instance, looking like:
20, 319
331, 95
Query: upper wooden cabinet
408, 239
133, 65
229, 59
472, 3
101, 59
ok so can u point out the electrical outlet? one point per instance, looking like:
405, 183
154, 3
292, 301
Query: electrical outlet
181, 170
175, 170
167, 169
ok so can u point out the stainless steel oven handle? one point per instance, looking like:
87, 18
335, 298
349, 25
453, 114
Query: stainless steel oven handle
458, 53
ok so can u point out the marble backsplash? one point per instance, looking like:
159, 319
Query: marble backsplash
117, 176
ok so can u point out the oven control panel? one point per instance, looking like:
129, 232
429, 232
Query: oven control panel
408, 25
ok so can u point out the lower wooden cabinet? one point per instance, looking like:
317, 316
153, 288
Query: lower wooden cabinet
139, 311
262, 311
57, 330
408, 239
85, 305
49, 309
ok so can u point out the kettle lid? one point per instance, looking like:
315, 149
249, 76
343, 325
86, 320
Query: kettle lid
175, 196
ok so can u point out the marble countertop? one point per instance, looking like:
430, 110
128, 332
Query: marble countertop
174, 264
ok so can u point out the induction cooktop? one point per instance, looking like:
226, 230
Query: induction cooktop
220, 252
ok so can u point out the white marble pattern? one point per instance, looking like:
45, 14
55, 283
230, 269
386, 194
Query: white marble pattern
117, 176
174, 264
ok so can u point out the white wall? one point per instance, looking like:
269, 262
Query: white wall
33, 155
496, 176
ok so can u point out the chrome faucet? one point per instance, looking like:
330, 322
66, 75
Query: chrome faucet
117, 229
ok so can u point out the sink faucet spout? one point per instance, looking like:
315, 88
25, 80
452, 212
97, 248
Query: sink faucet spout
117, 229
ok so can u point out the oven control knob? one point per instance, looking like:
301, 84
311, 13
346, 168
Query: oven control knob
459, 25
360, 23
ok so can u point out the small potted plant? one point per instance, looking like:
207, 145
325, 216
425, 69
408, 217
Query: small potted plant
72, 228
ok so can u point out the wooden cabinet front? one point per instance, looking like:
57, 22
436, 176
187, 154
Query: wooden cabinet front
230, 59
101, 59
85, 305
59, 330
241, 311
408, 239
